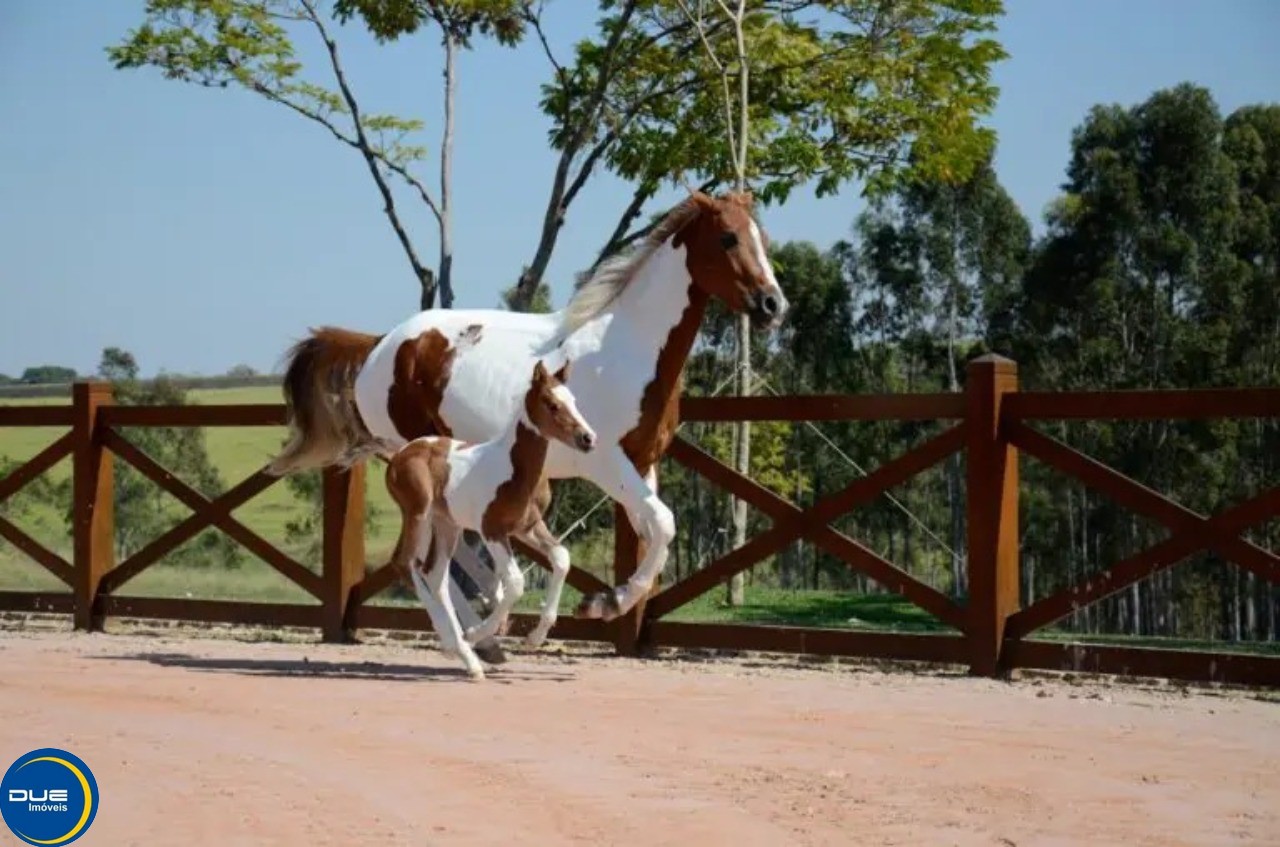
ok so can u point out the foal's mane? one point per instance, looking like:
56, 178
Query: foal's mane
611, 277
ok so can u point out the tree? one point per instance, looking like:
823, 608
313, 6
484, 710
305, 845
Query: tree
45, 374
117, 365
846, 90
838, 91
241, 372
249, 44
142, 508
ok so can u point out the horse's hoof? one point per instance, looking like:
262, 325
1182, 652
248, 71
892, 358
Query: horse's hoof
603, 605
475, 674
535, 639
491, 651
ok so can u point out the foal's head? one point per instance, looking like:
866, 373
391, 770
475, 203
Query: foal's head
729, 258
553, 411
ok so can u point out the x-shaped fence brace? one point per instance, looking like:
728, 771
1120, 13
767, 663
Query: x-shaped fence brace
13, 483
205, 513
792, 523
1191, 531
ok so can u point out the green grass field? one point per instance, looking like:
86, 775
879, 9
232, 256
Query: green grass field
238, 452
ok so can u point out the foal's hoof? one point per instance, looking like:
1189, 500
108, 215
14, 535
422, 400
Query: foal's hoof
490, 651
603, 605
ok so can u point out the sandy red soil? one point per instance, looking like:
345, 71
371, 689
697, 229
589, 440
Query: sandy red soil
204, 741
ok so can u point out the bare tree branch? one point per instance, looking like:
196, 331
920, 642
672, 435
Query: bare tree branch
372, 159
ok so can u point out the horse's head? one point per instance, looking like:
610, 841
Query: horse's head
729, 259
553, 411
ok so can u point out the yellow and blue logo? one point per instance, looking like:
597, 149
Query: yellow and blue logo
48, 797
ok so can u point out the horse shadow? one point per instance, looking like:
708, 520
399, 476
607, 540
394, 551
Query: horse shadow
305, 668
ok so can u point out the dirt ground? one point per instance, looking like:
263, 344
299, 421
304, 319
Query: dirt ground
215, 741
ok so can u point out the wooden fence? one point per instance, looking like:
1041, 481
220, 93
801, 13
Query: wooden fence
992, 423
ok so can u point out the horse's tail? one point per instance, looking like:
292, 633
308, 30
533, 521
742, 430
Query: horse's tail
319, 384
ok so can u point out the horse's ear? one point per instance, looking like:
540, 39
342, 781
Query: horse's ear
563, 373
539, 372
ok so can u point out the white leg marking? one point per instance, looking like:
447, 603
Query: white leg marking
512, 581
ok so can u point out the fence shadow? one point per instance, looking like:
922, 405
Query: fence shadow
363, 671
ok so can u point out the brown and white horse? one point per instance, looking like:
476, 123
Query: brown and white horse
444, 486
628, 330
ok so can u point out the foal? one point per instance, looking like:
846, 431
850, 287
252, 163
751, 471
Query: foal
444, 486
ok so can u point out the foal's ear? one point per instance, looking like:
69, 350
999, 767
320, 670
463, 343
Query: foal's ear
563, 373
539, 372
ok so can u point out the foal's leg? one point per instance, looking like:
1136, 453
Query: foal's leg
539, 537
512, 587
488, 649
447, 535
412, 550
654, 524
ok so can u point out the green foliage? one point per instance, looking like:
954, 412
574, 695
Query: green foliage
839, 91
250, 44
42, 374
388, 20
142, 509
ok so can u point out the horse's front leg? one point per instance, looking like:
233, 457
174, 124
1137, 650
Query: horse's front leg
654, 524
541, 539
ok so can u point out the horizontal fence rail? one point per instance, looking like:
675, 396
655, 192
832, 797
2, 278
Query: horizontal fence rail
991, 423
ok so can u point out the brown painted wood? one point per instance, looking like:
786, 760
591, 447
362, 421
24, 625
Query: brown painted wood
1137, 497
991, 466
344, 508
93, 500
45, 557
227, 503
52, 602
201, 506
19, 477
825, 407
791, 522
375, 582
948, 649
37, 416
583, 580
228, 414
211, 611
1199, 404
1141, 565
414, 619
1195, 666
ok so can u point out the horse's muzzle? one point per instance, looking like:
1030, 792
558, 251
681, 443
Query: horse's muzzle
768, 309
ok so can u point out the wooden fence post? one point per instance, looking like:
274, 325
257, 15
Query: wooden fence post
992, 470
343, 549
93, 527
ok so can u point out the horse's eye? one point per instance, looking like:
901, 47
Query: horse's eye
729, 240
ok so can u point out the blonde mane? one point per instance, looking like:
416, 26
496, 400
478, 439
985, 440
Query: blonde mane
611, 277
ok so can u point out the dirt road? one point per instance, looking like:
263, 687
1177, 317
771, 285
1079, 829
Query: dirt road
201, 741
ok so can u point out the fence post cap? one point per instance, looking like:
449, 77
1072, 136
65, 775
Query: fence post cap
994, 360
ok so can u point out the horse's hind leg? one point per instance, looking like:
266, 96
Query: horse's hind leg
540, 538
436, 581
512, 588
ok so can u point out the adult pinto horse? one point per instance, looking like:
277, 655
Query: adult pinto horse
628, 330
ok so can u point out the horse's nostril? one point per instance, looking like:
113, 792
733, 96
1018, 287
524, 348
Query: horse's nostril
586, 439
769, 305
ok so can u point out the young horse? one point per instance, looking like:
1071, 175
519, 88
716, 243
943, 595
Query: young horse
443, 487
629, 330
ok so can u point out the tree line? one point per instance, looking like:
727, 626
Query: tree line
1159, 267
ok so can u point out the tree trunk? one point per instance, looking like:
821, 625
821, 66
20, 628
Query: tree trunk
446, 171
742, 455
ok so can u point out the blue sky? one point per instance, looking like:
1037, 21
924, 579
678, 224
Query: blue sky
202, 229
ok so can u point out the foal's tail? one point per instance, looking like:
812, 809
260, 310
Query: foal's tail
319, 385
